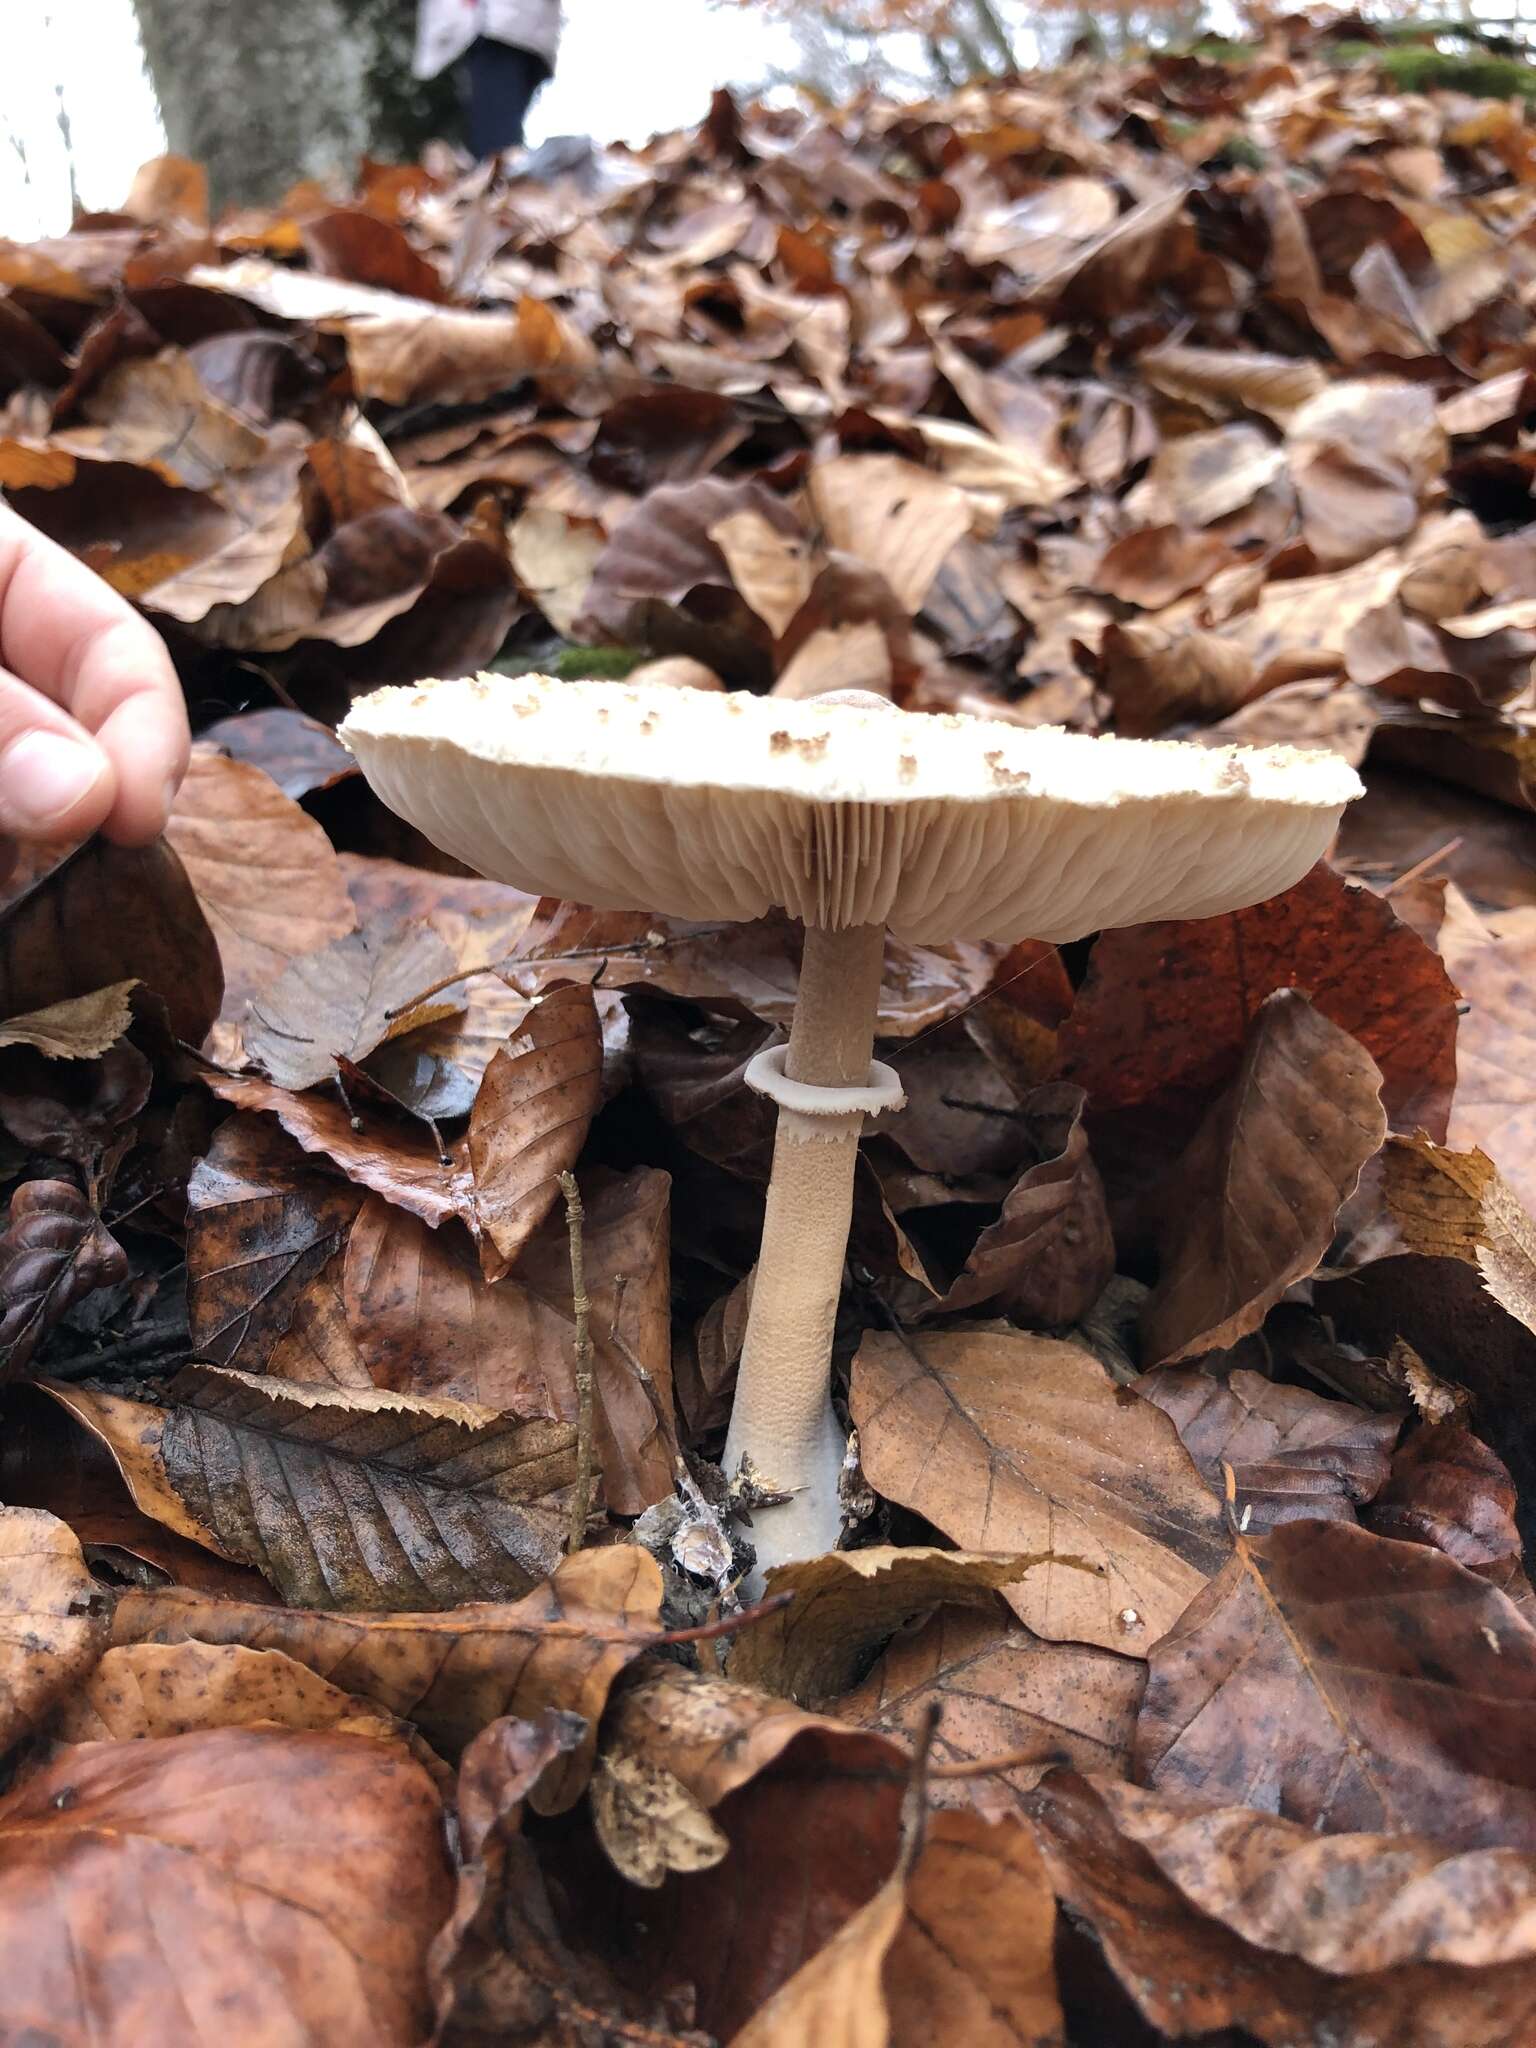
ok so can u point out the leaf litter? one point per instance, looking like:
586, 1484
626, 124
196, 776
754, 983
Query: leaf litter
1185, 1643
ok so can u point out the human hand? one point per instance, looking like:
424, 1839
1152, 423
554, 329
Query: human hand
93, 728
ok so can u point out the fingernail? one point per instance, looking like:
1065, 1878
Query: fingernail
43, 776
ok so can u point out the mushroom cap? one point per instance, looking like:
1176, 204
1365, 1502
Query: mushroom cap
721, 807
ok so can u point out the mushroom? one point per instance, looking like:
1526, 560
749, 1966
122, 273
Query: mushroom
857, 819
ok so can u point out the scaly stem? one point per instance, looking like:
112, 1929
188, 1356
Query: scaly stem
782, 1419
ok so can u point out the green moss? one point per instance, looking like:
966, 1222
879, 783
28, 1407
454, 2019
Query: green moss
1218, 50
572, 664
1418, 68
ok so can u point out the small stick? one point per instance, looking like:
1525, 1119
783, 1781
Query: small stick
1422, 866
728, 1624
979, 1766
914, 1807
581, 1499
631, 949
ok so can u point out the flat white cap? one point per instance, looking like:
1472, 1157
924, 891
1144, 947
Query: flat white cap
720, 807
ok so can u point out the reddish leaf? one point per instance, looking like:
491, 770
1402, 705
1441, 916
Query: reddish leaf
1349, 1683
1250, 1207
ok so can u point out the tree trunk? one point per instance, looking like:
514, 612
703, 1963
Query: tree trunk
402, 114
264, 92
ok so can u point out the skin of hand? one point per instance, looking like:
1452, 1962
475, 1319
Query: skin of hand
93, 726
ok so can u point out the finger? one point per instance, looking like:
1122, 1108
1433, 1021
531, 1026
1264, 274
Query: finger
76, 641
142, 730
56, 783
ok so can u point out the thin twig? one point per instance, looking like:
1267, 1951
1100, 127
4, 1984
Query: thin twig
979, 1766
632, 949
581, 1499
914, 1807
1421, 866
148, 1341
728, 1624
986, 996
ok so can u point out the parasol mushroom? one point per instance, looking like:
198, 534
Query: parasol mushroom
857, 819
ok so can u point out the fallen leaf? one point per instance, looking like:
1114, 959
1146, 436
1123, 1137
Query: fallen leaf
1003, 1692
357, 1497
55, 1250
1047, 1258
344, 1001
454, 1673
554, 557
394, 1155
311, 1862
812, 1812
501, 1962
962, 1939
1160, 1022
79, 1028
144, 1691
425, 1320
771, 568
899, 519
1250, 1207
1446, 1488
297, 753
536, 1100
54, 1623
1010, 1442
264, 873
1292, 1454
846, 1603
1351, 1684
262, 1221
102, 915
1190, 1973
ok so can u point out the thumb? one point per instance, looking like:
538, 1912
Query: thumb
56, 783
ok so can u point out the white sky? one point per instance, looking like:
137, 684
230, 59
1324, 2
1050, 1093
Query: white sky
627, 68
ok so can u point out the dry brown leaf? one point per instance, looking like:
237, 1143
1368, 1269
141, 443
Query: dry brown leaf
1292, 1454
142, 1691
1352, 1684
852, 657
900, 520
849, 1601
501, 1963
1049, 1255
262, 1221
1003, 1692
1250, 1207
958, 1946
55, 1250
264, 873
102, 915
536, 1101
454, 1673
311, 1863
374, 1147
1010, 1442
770, 568
79, 1028
554, 556
353, 1496
1189, 1972
1160, 1021
345, 1001
425, 1320
54, 1619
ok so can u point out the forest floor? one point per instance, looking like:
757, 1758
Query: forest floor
1179, 1682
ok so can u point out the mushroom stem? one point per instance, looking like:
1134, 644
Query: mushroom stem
782, 1418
